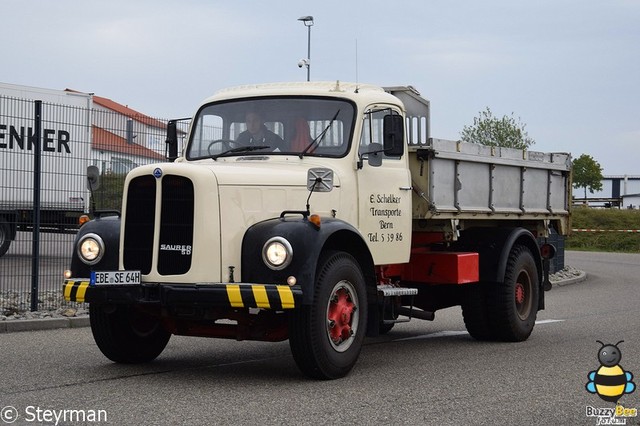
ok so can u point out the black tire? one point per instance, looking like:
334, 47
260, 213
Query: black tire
504, 311
475, 312
515, 302
126, 335
5, 236
326, 337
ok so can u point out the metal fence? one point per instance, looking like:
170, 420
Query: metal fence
45, 149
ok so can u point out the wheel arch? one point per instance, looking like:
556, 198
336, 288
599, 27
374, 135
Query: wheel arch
107, 228
494, 246
350, 241
308, 242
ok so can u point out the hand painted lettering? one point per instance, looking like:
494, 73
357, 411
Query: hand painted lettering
385, 216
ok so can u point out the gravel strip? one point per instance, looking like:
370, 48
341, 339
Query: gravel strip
14, 305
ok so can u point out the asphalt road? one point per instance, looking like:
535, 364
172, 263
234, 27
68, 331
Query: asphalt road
420, 373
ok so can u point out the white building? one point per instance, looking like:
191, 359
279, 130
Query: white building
124, 138
617, 191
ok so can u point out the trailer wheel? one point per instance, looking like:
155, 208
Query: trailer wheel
125, 334
515, 302
326, 336
5, 236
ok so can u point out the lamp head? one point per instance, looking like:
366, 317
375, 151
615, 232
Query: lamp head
306, 20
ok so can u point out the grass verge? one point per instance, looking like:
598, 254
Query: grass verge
605, 219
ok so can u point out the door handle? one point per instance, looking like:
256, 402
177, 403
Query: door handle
406, 188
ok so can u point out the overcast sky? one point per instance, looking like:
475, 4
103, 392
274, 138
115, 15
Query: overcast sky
569, 69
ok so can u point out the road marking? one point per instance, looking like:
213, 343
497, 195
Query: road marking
434, 335
549, 321
461, 332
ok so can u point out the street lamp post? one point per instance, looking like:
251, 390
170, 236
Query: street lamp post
308, 22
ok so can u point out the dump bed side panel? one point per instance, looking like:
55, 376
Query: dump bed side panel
453, 179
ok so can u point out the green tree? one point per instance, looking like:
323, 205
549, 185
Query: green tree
492, 131
587, 174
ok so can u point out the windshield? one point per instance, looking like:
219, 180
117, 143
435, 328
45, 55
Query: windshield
274, 126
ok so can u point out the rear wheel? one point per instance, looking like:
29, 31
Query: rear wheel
516, 301
505, 311
326, 336
126, 334
475, 312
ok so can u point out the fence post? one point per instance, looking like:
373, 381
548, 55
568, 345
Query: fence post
35, 258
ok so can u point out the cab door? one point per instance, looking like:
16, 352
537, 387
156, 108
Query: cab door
384, 186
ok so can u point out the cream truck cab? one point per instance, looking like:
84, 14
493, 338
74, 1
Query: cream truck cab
339, 218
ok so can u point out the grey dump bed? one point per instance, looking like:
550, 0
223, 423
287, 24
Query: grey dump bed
464, 180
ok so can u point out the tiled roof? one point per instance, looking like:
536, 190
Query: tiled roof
126, 111
104, 140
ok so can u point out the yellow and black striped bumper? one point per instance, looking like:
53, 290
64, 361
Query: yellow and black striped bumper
75, 290
231, 295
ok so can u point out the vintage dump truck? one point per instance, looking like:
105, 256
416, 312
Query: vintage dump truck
334, 217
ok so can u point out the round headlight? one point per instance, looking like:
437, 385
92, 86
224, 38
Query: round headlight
91, 249
277, 253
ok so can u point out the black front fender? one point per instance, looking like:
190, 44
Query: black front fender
108, 229
307, 242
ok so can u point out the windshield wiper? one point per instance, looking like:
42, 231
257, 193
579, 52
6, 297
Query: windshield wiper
240, 149
320, 136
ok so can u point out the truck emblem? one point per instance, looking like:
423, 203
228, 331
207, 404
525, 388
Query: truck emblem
157, 172
185, 250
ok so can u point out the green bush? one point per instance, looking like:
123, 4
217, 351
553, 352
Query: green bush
605, 219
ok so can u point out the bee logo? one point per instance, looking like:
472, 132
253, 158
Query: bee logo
610, 381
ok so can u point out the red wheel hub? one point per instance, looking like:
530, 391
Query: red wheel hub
520, 294
339, 316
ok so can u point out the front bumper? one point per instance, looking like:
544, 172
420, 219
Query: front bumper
222, 295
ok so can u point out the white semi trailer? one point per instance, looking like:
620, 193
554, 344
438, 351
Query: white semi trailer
65, 148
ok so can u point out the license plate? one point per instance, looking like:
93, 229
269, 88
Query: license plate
114, 278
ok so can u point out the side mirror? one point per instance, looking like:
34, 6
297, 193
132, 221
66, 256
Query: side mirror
93, 178
172, 140
393, 135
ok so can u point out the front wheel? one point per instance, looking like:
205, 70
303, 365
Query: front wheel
326, 336
126, 334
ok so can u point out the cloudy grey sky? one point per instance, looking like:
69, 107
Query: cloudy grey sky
570, 69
